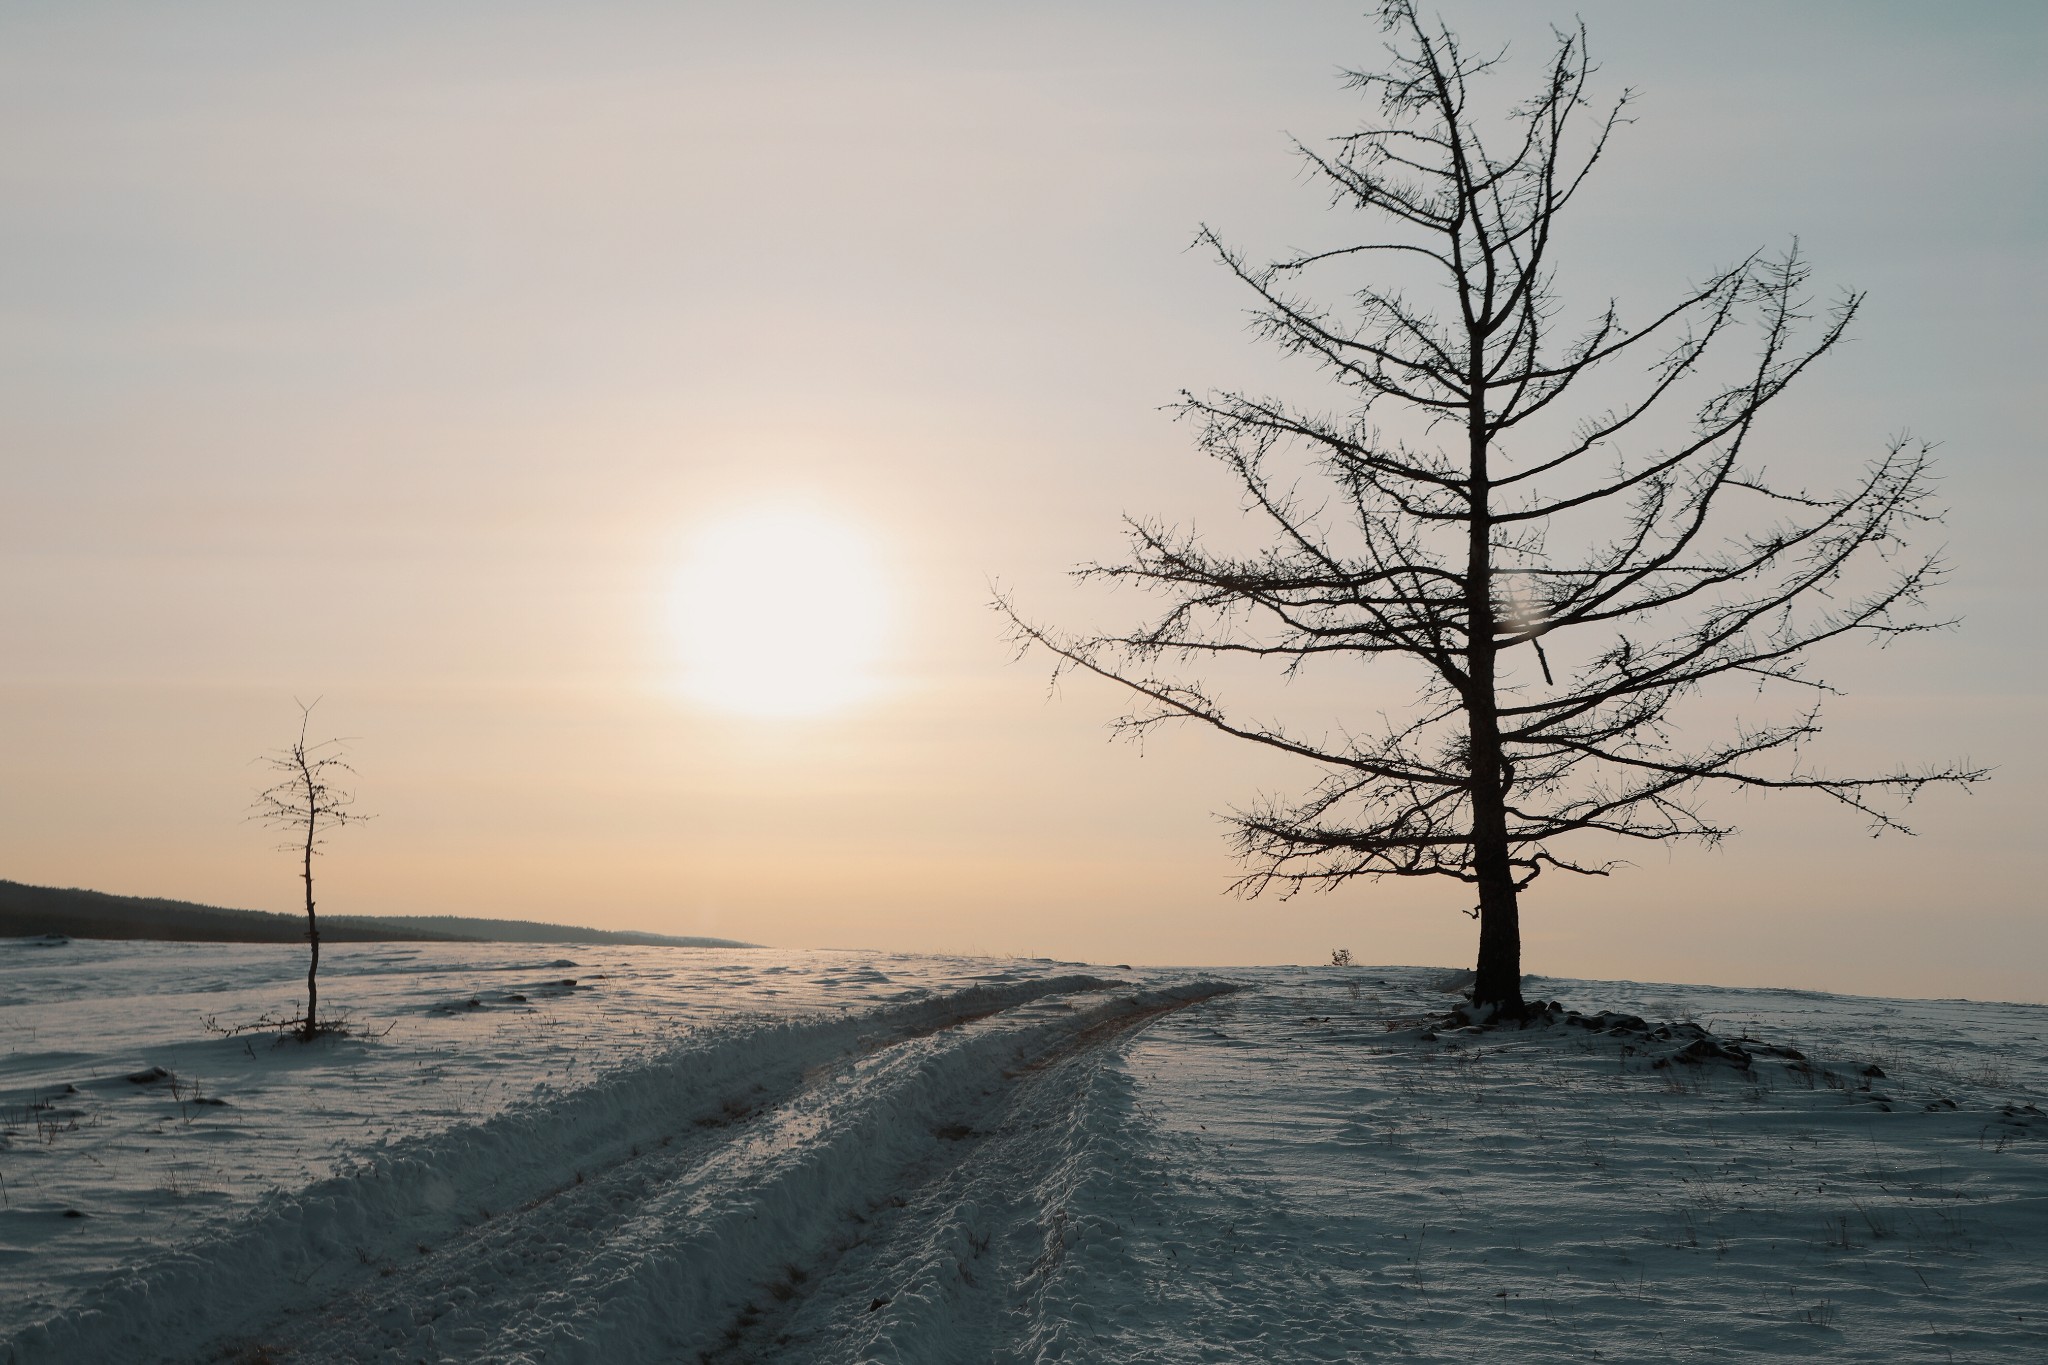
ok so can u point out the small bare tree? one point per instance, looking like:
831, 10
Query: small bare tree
306, 802
1559, 586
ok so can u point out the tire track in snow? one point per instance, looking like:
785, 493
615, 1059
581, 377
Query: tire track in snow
679, 1268
405, 1255
957, 1268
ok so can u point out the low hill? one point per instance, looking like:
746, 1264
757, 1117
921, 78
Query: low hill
522, 931
31, 910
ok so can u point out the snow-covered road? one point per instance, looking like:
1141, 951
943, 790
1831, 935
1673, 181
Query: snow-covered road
850, 1158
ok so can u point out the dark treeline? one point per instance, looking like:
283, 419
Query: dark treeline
532, 931
26, 911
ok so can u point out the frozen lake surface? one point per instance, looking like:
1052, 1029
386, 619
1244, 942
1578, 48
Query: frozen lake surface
622, 1154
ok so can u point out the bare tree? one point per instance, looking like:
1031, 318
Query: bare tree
306, 802
1560, 586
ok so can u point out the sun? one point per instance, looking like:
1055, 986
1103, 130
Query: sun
779, 612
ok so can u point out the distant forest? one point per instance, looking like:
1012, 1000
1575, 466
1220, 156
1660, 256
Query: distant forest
28, 911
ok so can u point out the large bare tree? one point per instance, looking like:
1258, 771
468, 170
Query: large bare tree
306, 801
1569, 590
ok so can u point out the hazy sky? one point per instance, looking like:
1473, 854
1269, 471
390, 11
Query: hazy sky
411, 357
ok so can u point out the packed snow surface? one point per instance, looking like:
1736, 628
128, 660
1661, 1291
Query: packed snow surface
624, 1154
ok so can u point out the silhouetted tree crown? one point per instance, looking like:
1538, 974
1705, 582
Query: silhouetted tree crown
1561, 582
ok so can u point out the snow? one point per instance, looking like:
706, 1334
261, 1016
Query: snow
735, 1155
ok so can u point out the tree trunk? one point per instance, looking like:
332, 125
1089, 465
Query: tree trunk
1498, 975
310, 1027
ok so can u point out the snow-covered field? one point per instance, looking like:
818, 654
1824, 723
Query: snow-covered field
839, 1157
